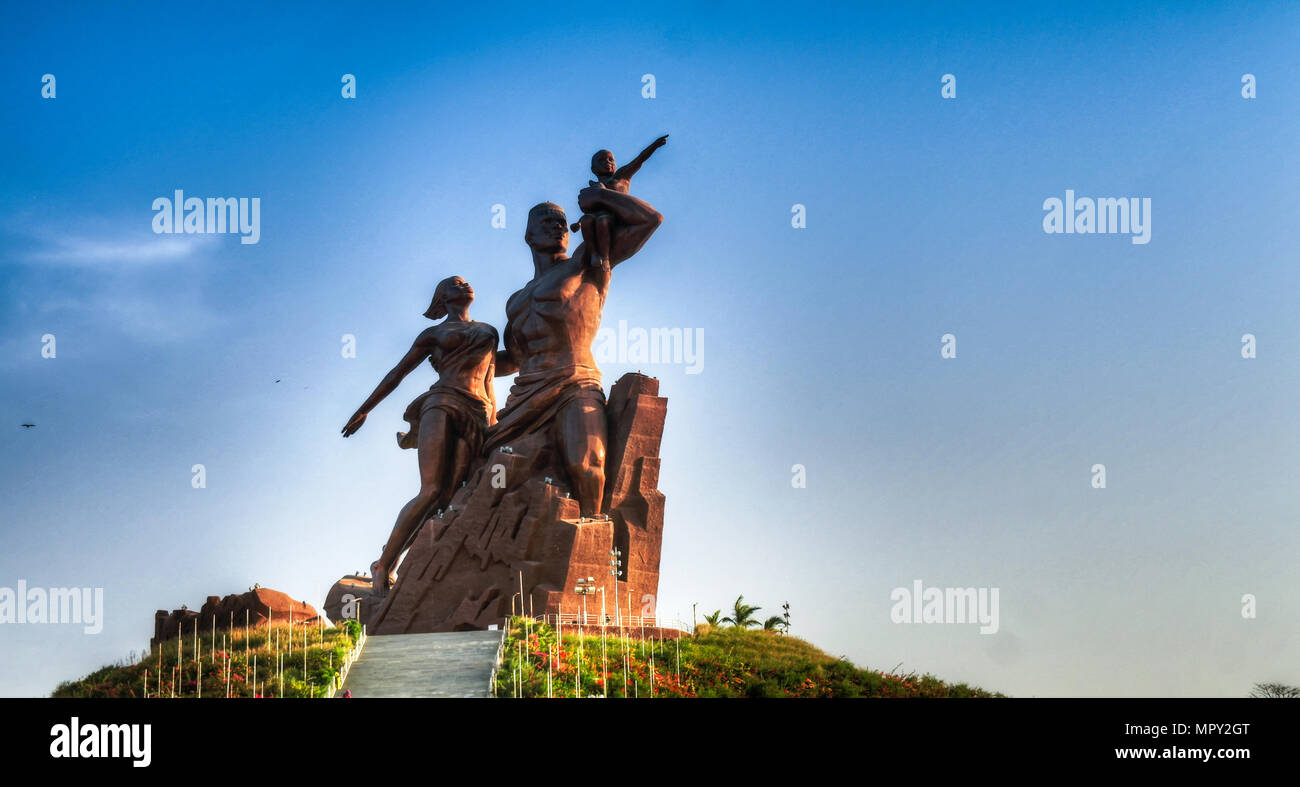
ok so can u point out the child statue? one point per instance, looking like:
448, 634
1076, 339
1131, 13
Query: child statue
596, 228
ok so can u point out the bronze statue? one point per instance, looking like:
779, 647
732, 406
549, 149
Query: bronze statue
596, 226
447, 422
522, 540
551, 324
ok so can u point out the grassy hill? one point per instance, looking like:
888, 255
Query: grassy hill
723, 662
266, 664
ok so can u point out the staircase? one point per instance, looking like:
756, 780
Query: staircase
455, 664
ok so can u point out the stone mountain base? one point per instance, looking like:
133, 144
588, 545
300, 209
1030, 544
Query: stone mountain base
512, 538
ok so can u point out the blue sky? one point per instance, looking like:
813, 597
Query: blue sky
821, 345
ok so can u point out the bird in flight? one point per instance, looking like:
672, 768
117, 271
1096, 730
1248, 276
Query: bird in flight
28, 426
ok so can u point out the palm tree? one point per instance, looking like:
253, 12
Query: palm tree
715, 619
742, 616
774, 623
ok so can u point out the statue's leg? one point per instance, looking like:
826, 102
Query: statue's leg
434, 446
580, 432
591, 236
460, 460
604, 222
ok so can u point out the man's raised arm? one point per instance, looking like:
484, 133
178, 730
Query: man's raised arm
636, 220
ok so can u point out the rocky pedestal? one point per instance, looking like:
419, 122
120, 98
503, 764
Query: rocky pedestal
351, 597
255, 608
512, 537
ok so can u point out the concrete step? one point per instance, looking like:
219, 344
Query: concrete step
455, 664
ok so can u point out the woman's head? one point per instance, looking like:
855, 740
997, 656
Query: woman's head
452, 289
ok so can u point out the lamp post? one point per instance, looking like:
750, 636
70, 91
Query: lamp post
586, 587
616, 571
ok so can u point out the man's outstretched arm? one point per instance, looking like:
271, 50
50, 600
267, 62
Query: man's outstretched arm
636, 220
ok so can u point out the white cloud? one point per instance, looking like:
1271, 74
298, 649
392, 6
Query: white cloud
124, 282
148, 250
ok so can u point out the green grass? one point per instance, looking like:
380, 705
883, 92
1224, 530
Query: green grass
226, 663
726, 662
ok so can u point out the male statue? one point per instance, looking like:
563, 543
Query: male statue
551, 324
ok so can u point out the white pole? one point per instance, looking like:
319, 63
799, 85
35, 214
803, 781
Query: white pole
604, 659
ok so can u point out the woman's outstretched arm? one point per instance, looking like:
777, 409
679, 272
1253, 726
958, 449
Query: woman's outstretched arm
423, 346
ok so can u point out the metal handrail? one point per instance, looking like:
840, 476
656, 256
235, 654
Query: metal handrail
351, 659
593, 619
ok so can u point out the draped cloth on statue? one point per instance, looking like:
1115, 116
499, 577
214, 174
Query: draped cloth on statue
537, 397
468, 416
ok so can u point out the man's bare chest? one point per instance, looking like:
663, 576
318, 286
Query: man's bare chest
561, 290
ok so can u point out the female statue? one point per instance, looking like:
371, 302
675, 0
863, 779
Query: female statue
447, 421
